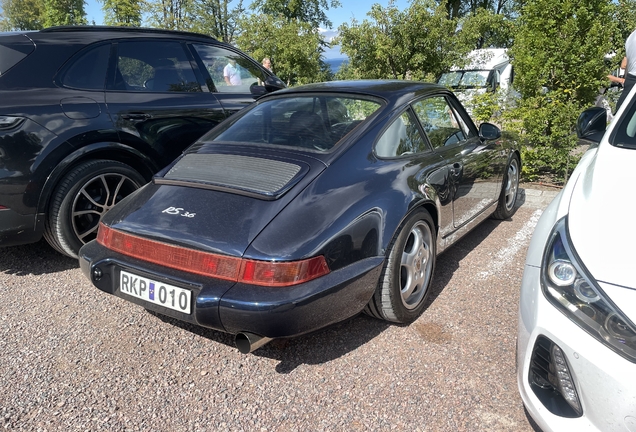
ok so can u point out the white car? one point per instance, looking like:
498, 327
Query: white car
576, 346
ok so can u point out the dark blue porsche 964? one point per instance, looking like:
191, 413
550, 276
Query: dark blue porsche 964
311, 205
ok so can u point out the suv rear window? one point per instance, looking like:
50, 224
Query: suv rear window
13, 49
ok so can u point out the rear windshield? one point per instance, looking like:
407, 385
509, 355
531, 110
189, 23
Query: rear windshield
310, 122
13, 49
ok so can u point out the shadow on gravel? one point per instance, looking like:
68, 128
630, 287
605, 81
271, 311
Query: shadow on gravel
449, 260
315, 348
37, 258
332, 342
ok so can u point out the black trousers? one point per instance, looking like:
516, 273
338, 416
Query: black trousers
630, 80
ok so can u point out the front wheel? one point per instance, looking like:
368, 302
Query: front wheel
82, 197
408, 271
509, 189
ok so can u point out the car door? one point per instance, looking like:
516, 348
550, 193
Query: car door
156, 99
475, 166
404, 149
217, 63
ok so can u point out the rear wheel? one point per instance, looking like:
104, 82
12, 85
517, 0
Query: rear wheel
509, 189
82, 197
408, 271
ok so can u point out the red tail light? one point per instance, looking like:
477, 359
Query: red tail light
266, 273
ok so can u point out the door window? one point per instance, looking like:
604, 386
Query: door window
440, 122
153, 67
403, 137
230, 72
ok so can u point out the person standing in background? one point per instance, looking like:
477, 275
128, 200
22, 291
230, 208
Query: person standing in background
231, 73
267, 64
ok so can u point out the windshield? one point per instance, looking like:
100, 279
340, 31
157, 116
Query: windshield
472, 78
313, 122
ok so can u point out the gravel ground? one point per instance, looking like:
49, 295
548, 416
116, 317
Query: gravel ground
74, 358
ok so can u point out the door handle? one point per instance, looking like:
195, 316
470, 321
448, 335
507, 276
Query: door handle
136, 116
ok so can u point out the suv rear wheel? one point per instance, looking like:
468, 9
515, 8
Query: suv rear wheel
82, 197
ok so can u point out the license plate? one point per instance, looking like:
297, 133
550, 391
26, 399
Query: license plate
159, 293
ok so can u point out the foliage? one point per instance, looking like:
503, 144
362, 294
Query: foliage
63, 12
546, 124
309, 11
462, 8
408, 44
484, 29
295, 47
21, 15
485, 107
624, 15
122, 12
558, 57
170, 14
214, 17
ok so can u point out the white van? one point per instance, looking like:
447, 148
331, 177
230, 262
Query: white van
487, 70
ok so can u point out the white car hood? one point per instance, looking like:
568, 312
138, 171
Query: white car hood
602, 216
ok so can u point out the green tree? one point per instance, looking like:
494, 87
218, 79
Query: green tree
485, 28
462, 8
559, 62
309, 11
21, 15
122, 12
416, 43
64, 12
295, 47
214, 17
170, 14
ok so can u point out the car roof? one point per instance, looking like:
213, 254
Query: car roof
390, 90
96, 33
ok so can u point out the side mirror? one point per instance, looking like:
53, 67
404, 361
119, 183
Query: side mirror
488, 132
273, 83
591, 124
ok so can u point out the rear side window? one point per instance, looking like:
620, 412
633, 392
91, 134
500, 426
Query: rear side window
153, 66
13, 49
401, 138
88, 70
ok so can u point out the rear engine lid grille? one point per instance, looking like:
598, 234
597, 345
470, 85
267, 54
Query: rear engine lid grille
253, 176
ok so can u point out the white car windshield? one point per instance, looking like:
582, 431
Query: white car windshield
472, 78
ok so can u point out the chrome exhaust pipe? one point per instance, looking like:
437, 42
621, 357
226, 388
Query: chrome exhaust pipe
248, 342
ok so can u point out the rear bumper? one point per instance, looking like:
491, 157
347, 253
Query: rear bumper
231, 307
17, 229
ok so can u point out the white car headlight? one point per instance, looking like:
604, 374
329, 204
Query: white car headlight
567, 284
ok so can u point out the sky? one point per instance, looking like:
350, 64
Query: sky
350, 9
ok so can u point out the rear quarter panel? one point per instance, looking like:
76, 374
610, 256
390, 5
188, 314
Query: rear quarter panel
352, 210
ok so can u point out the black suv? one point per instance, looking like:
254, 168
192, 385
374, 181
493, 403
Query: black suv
88, 114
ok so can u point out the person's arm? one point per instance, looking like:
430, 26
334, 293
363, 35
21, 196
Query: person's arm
616, 79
